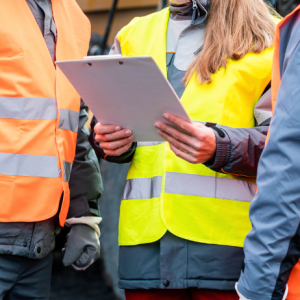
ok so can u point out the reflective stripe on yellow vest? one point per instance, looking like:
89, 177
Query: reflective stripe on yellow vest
39, 111
164, 192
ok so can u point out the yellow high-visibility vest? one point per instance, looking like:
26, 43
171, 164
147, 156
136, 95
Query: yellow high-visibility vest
164, 192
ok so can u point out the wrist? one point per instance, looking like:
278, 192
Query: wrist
89, 221
222, 150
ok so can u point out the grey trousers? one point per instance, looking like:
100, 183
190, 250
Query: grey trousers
25, 278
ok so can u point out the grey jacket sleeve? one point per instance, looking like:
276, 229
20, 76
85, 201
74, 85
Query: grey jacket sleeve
238, 150
272, 247
85, 182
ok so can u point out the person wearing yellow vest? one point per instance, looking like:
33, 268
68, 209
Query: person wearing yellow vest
182, 224
48, 170
272, 248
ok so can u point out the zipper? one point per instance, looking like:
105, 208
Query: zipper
195, 7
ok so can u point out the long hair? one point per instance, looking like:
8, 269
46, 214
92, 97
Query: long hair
234, 28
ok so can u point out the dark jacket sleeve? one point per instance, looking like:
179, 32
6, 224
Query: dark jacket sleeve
85, 182
272, 246
239, 149
122, 159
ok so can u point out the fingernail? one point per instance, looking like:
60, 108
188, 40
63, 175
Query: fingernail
117, 128
157, 125
166, 116
130, 138
159, 132
127, 132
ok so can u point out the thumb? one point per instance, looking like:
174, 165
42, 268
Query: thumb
71, 252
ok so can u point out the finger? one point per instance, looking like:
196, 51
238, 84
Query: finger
118, 151
175, 133
178, 144
109, 137
183, 155
116, 144
184, 125
104, 129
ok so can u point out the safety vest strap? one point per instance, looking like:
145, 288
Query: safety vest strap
190, 185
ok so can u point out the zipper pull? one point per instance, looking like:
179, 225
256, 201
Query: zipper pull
195, 7
194, 4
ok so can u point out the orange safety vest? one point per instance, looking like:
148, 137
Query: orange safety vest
39, 111
294, 280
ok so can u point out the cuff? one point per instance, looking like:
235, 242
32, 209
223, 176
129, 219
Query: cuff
90, 221
241, 292
223, 149
240, 295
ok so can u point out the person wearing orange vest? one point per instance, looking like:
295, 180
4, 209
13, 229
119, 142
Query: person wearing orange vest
48, 171
272, 248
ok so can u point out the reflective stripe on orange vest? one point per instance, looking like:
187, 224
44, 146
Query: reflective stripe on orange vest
39, 111
294, 280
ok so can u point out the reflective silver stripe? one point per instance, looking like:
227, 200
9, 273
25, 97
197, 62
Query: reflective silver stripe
144, 144
142, 188
28, 108
209, 186
68, 120
67, 170
29, 165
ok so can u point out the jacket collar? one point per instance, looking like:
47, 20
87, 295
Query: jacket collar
195, 10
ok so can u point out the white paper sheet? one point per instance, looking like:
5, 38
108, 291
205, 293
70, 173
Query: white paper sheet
128, 91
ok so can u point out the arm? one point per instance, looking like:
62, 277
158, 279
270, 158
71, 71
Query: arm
83, 247
85, 182
238, 150
272, 246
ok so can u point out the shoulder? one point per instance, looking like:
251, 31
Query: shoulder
141, 21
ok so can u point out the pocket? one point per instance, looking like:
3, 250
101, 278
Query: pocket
11, 229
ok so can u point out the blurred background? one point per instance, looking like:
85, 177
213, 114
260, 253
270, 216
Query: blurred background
100, 280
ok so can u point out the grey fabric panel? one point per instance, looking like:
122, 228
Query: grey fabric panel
68, 119
175, 78
183, 263
263, 108
25, 278
190, 40
67, 170
209, 186
142, 188
28, 108
140, 262
169, 58
215, 260
42, 12
33, 240
29, 165
175, 27
173, 260
275, 210
145, 144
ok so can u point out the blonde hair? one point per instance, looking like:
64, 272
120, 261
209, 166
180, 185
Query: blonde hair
234, 28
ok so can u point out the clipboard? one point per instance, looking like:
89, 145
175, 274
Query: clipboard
128, 91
